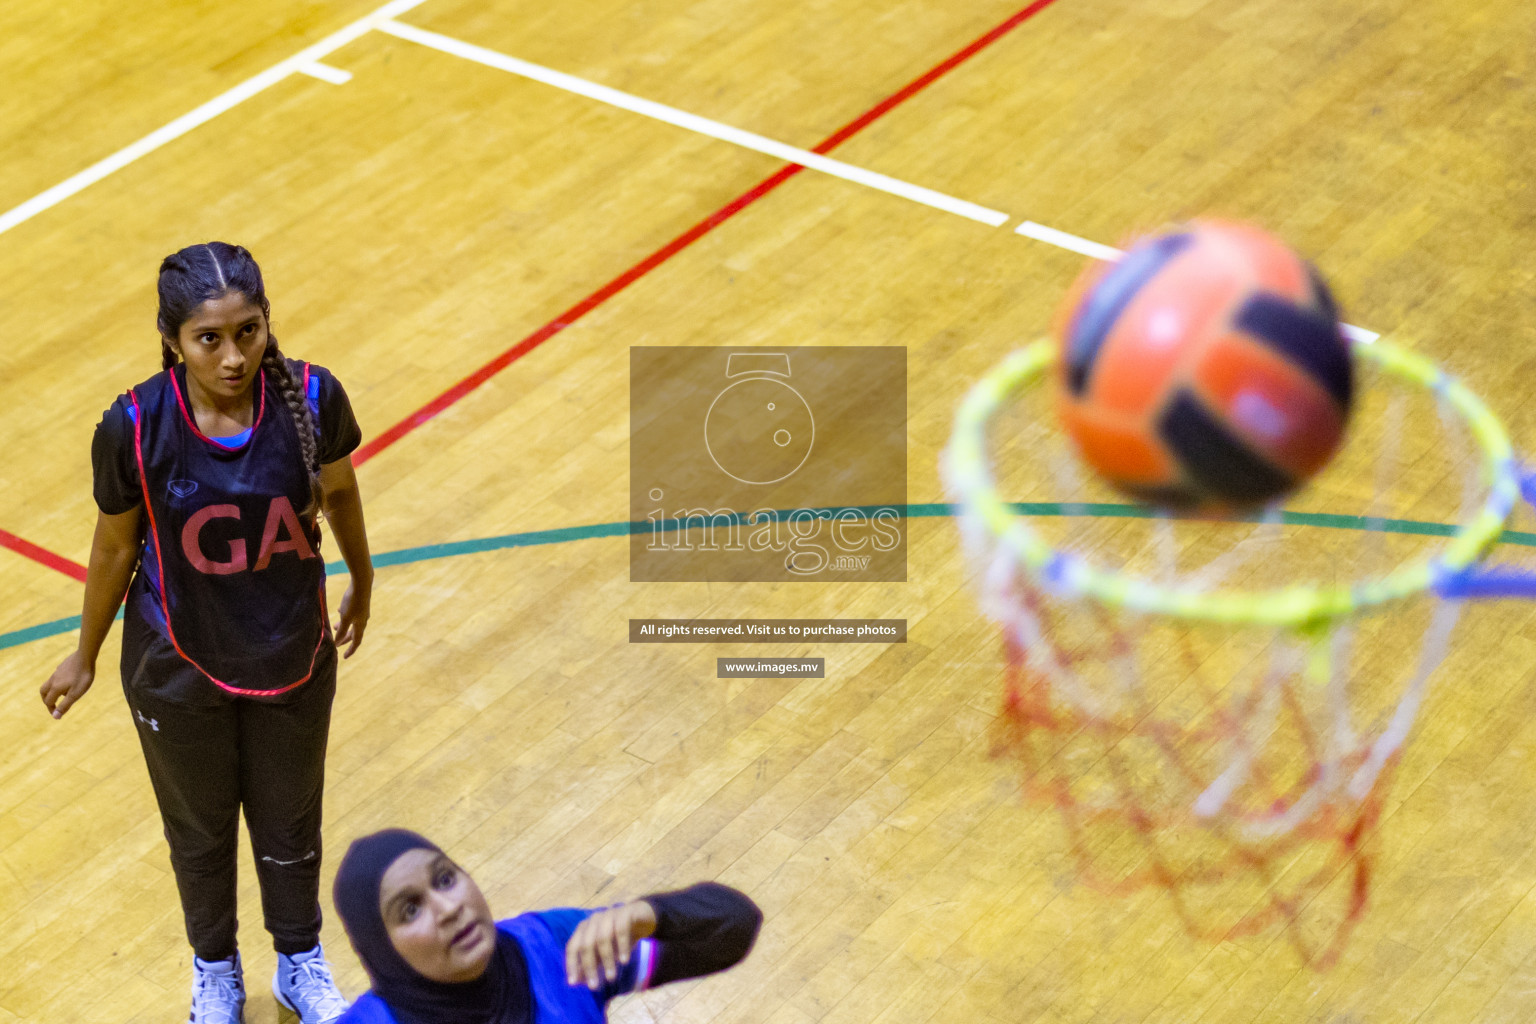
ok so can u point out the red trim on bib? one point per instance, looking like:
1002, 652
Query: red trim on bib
261, 407
154, 533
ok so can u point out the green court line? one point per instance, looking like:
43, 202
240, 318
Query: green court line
1039, 509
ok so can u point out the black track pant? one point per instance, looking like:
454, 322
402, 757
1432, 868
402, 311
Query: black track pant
206, 763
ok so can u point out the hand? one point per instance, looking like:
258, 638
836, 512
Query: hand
600, 947
67, 684
353, 617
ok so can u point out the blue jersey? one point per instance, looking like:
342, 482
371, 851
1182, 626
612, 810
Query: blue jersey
231, 573
542, 937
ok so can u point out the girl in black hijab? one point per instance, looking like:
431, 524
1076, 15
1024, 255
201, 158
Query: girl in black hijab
435, 956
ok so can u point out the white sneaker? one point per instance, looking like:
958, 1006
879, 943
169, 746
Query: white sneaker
218, 992
303, 984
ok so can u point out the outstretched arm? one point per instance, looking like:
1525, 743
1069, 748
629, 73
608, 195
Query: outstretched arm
114, 553
698, 930
702, 929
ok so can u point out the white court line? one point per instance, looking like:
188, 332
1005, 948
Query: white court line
694, 123
203, 114
307, 61
1062, 240
326, 73
749, 140
1098, 251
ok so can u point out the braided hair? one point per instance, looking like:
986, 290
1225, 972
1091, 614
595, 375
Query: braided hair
200, 273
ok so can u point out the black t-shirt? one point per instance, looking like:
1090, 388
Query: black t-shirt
116, 474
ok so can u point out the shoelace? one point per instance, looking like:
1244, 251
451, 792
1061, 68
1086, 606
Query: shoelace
217, 998
312, 984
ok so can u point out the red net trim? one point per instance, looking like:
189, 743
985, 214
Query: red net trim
1124, 780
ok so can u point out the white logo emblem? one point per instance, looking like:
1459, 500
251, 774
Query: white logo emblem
759, 430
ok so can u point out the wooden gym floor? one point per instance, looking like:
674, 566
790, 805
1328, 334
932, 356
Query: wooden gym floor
432, 213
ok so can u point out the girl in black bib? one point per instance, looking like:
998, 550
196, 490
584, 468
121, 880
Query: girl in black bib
210, 477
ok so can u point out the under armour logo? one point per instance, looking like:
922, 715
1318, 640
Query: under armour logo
147, 721
182, 488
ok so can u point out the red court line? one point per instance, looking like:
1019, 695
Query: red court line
394, 433
29, 550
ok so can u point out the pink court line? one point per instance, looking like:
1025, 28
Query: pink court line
494, 366
42, 556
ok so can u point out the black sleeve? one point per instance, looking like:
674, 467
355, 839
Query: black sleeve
702, 929
114, 469
339, 432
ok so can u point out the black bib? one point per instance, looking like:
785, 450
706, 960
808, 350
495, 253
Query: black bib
235, 569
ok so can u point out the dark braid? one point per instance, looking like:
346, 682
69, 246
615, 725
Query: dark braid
200, 273
292, 389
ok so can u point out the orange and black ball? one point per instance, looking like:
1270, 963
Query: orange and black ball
1205, 370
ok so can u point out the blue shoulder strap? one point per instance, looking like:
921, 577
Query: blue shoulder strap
312, 393
367, 1009
312, 396
554, 1001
